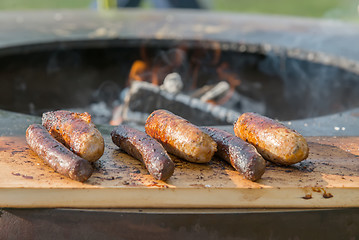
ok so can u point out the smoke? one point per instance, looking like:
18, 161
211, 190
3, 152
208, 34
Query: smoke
308, 89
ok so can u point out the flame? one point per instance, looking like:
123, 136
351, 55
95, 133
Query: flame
138, 68
156, 69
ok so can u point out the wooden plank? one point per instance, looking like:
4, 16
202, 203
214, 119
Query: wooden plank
328, 178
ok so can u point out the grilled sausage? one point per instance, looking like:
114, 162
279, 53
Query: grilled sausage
76, 131
240, 154
143, 147
274, 141
180, 137
56, 155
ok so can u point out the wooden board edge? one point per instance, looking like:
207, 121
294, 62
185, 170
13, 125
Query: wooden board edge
179, 198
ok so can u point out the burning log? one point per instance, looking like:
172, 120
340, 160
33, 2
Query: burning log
143, 98
216, 91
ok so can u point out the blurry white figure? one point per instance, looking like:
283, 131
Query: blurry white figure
172, 83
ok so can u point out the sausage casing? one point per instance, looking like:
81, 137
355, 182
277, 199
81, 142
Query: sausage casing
56, 155
179, 137
76, 131
274, 141
241, 155
143, 147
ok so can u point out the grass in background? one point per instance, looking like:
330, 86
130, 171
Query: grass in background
337, 9
309, 8
43, 4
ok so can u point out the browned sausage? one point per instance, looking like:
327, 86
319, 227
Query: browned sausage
180, 137
56, 155
240, 154
274, 141
143, 147
76, 131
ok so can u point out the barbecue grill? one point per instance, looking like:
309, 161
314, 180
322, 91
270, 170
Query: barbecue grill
303, 72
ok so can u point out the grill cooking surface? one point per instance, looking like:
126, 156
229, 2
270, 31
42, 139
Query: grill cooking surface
328, 178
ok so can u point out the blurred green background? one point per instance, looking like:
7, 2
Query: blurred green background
332, 9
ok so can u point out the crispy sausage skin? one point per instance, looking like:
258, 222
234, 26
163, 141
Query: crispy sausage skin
240, 154
56, 155
76, 131
143, 147
179, 137
274, 141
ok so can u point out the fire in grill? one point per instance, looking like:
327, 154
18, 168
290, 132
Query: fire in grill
209, 83
190, 83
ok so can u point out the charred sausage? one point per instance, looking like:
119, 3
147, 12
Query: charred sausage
240, 154
274, 141
56, 155
143, 147
179, 137
76, 131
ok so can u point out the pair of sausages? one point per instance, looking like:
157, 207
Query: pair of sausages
259, 138
67, 142
56, 155
165, 132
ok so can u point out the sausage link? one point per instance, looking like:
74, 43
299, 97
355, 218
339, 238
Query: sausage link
274, 141
76, 131
56, 155
143, 147
240, 154
179, 137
